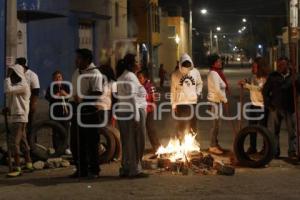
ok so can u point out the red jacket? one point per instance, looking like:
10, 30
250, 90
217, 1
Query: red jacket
150, 95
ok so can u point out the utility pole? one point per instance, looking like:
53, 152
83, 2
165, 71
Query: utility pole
191, 28
11, 32
293, 49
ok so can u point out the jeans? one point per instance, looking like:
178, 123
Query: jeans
262, 122
214, 131
187, 121
133, 142
151, 131
276, 119
85, 141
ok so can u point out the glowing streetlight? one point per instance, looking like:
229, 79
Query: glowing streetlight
240, 31
260, 46
224, 36
218, 28
215, 36
203, 11
177, 39
244, 20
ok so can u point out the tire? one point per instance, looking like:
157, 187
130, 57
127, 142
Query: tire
35, 148
109, 144
118, 149
241, 155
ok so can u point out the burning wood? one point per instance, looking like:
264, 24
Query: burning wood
178, 150
184, 157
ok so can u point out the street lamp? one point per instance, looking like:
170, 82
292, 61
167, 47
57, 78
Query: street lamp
218, 28
244, 20
203, 11
177, 40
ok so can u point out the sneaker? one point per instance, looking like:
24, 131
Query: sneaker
68, 152
215, 150
17, 172
29, 167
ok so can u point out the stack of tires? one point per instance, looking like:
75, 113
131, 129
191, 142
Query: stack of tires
110, 147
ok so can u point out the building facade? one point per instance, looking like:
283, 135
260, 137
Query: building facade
50, 31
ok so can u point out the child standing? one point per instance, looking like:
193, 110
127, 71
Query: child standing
18, 93
60, 92
150, 89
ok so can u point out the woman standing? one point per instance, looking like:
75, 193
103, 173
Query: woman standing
217, 87
255, 85
131, 115
107, 98
60, 92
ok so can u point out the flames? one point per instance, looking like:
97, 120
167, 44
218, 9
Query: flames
177, 150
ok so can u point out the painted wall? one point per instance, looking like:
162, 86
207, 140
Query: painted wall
167, 52
51, 46
51, 43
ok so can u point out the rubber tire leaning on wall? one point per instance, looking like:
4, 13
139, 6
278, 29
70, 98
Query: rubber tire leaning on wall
118, 149
41, 153
241, 155
110, 145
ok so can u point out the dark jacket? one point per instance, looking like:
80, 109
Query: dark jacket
278, 92
59, 110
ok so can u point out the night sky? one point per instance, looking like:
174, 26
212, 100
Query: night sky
265, 18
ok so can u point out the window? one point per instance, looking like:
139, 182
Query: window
171, 31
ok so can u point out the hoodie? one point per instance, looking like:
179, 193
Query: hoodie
186, 85
18, 96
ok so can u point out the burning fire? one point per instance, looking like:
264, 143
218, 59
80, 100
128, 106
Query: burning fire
178, 150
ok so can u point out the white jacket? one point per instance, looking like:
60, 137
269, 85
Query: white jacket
255, 87
18, 96
216, 88
130, 91
185, 89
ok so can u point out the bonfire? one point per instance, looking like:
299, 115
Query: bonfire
180, 151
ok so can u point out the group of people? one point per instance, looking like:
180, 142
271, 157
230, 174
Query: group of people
100, 95
273, 94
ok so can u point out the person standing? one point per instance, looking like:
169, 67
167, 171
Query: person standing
162, 75
150, 126
108, 98
60, 93
85, 123
186, 88
257, 109
18, 92
278, 98
34, 84
217, 86
131, 117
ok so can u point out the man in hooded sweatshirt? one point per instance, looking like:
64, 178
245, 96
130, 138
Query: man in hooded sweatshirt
186, 87
18, 95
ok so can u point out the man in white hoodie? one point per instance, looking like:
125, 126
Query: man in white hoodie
18, 94
186, 87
